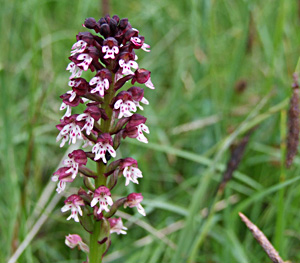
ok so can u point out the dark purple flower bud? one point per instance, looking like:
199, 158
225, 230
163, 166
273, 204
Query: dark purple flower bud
123, 23
105, 30
116, 18
107, 19
91, 24
113, 26
101, 21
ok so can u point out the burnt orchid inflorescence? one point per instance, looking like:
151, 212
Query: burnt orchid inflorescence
110, 116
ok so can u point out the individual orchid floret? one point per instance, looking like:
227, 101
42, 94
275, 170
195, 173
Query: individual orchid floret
126, 66
78, 47
63, 176
134, 200
74, 70
102, 79
135, 128
116, 226
87, 60
79, 85
69, 129
73, 203
76, 159
73, 240
102, 196
110, 48
130, 170
124, 104
142, 76
138, 96
138, 42
70, 99
91, 114
104, 143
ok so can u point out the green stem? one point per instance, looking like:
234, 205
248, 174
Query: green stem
280, 222
96, 249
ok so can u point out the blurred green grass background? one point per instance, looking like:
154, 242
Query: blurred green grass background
202, 52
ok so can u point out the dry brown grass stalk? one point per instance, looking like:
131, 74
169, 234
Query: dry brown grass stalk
262, 240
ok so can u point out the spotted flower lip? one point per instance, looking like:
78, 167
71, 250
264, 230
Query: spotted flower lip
134, 200
87, 60
102, 81
110, 48
102, 196
124, 104
126, 66
104, 143
69, 130
116, 226
91, 114
78, 47
74, 70
73, 203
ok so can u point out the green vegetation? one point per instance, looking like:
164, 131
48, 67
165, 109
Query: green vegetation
200, 51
